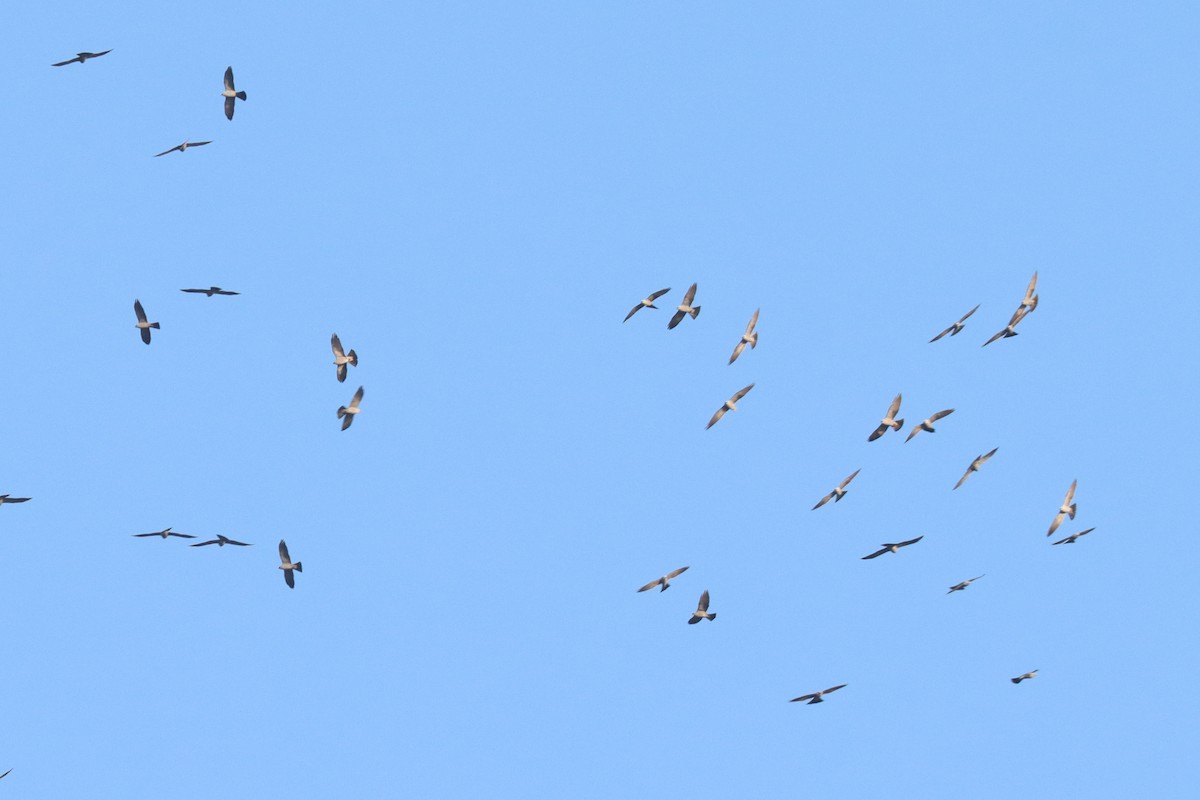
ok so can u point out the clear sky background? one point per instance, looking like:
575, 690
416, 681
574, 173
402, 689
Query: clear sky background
473, 195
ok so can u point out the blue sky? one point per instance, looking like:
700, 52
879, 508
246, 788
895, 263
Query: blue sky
473, 196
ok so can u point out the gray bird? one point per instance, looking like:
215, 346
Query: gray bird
701, 611
210, 291
647, 303
1067, 509
10, 769
927, 424
342, 358
956, 327
975, 465
1031, 299
1071, 539
347, 413
685, 308
1009, 330
958, 587
730, 405
1026, 676
664, 581
888, 421
230, 93
838, 493
5, 498
182, 147
80, 57
817, 697
142, 324
892, 547
287, 566
221, 541
164, 533
750, 337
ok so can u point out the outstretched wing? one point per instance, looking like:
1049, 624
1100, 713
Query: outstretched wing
283, 553
802, 698
753, 322
877, 433
357, 398
336, 343
703, 606
823, 501
737, 351
969, 313
940, 335
676, 573
910, 541
658, 294
229, 79
947, 412
878, 552
690, 295
741, 393
715, 417
229, 101
1070, 493
676, 319
849, 478
137, 309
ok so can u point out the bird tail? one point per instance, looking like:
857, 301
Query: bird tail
754, 340
240, 95
154, 325
695, 312
898, 424
353, 356
665, 586
299, 567
712, 616
1072, 514
341, 411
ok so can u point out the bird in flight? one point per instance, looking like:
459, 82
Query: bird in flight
164, 533
1026, 676
80, 57
347, 413
730, 405
838, 493
975, 465
750, 337
888, 421
182, 147
142, 324
817, 697
647, 303
221, 541
956, 327
1031, 299
230, 93
892, 547
287, 566
342, 358
1009, 330
4, 498
10, 769
685, 308
664, 581
701, 611
1067, 509
1071, 539
927, 424
210, 291
958, 587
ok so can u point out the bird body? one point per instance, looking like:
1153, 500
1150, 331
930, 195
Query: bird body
927, 424
664, 581
702, 611
347, 413
81, 58
730, 405
647, 303
685, 308
889, 421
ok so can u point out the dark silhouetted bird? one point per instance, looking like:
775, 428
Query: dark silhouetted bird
892, 547
210, 291
817, 697
182, 147
221, 541
164, 533
80, 57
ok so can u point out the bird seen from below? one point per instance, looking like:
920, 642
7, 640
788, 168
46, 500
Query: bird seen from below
664, 581
342, 358
1071, 539
702, 611
5, 498
287, 566
182, 147
142, 325
221, 541
347, 413
817, 697
1009, 330
927, 424
1025, 677
647, 303
164, 533
231, 94
839, 491
685, 308
730, 405
81, 57
1067, 509
750, 337
210, 291
956, 327
890, 547
958, 587
975, 465
889, 421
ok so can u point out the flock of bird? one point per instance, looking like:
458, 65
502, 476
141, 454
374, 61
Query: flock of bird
890, 421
